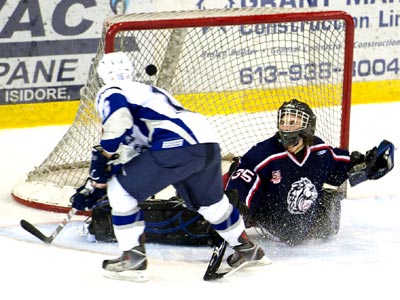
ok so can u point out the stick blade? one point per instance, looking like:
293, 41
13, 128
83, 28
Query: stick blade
34, 231
215, 261
210, 276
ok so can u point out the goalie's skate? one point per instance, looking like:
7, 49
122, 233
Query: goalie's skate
131, 266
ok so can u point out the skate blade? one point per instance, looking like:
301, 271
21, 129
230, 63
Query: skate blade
261, 262
248, 264
128, 275
254, 263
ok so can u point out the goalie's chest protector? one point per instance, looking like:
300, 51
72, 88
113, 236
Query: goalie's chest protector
281, 174
279, 171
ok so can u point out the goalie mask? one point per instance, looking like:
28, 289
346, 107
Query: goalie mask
296, 121
115, 66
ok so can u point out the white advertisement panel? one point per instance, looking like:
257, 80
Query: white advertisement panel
47, 46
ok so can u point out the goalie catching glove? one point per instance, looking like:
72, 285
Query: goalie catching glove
86, 196
376, 163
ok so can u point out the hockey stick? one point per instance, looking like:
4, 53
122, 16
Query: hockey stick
215, 261
48, 239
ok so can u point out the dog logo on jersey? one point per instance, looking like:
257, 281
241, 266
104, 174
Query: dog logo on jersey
276, 177
302, 196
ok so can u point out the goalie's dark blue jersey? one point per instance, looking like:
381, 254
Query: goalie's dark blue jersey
281, 191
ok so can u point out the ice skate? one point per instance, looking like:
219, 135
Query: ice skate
131, 266
247, 254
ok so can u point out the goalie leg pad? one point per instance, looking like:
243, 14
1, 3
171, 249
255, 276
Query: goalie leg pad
167, 222
328, 218
101, 224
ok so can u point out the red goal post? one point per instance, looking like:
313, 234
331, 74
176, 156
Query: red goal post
236, 66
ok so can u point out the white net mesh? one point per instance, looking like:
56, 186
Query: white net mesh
235, 66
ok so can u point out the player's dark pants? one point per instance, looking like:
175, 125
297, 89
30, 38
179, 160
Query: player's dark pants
194, 171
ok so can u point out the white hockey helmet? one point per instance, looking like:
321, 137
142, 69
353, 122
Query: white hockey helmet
115, 66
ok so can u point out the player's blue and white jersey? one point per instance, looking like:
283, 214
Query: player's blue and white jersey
274, 183
144, 116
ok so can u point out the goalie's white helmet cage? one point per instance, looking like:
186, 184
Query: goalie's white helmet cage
236, 66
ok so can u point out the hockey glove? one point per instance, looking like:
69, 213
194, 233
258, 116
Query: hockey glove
376, 163
99, 169
232, 169
86, 196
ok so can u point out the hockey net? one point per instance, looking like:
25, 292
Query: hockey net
236, 66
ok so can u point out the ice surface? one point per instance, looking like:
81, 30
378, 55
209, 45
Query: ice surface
361, 262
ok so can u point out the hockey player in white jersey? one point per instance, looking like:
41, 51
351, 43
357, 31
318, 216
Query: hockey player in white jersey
148, 142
